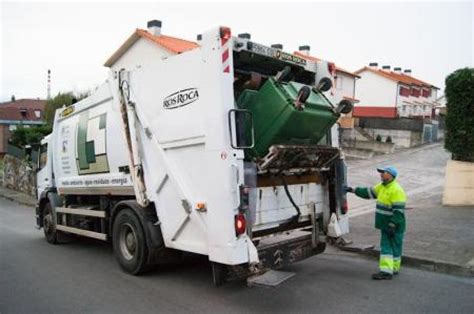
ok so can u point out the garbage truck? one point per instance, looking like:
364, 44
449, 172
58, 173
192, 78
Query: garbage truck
224, 150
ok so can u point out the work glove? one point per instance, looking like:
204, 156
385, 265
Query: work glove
391, 229
348, 189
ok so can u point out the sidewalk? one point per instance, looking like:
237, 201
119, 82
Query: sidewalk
437, 238
18, 197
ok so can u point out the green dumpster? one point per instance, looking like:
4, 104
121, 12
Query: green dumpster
277, 120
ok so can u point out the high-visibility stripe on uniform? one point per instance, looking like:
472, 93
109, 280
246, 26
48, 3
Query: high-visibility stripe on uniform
383, 206
383, 209
386, 263
383, 212
372, 193
398, 204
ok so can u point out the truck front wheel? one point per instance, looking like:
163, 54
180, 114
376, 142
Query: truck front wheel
129, 242
49, 224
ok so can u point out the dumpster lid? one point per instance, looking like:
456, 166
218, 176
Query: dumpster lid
297, 159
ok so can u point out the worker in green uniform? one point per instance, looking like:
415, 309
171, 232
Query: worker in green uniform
389, 219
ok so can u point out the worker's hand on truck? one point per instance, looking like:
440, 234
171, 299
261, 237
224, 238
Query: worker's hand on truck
348, 189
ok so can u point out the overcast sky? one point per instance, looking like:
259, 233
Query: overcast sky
75, 39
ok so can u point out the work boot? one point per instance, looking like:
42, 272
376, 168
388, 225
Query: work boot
382, 276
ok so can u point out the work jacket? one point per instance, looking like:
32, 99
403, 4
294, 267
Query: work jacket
390, 206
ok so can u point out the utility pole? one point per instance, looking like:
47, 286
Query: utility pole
49, 85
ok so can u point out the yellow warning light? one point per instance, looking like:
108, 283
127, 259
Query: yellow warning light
201, 206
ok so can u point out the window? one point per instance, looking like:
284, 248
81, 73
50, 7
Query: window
23, 113
426, 93
415, 92
12, 127
38, 114
404, 91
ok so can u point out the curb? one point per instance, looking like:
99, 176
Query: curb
420, 263
22, 202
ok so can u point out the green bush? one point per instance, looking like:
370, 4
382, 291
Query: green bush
460, 114
378, 138
388, 139
29, 136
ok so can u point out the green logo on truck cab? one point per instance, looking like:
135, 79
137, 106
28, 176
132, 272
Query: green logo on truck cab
91, 153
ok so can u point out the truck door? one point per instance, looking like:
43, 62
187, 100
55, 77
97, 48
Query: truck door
44, 174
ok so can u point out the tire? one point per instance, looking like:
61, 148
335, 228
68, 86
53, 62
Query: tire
320, 248
219, 273
129, 243
49, 224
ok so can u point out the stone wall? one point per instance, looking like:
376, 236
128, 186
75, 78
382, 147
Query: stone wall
405, 124
374, 146
19, 175
365, 139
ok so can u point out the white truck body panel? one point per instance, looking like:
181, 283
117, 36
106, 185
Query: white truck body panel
183, 138
101, 176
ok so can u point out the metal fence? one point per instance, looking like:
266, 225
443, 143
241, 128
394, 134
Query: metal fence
16, 151
22, 153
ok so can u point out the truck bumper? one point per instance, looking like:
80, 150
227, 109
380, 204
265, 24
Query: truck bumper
283, 253
278, 254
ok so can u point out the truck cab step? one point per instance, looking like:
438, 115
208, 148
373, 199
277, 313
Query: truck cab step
82, 232
83, 211
271, 278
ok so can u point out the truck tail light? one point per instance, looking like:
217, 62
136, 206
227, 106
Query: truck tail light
344, 207
240, 224
225, 33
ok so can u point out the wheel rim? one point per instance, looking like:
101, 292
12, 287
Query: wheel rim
128, 241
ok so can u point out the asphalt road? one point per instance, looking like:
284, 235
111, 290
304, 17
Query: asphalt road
83, 277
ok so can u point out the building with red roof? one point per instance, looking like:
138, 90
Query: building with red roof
145, 47
25, 112
392, 93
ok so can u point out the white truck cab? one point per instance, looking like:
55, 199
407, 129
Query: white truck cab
44, 174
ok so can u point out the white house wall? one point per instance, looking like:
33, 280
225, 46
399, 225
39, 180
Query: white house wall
415, 106
375, 90
143, 52
344, 86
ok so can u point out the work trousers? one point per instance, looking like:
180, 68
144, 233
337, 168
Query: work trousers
390, 252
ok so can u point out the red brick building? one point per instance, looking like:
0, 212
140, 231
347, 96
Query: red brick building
25, 112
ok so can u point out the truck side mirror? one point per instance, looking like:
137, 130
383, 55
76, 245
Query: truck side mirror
241, 124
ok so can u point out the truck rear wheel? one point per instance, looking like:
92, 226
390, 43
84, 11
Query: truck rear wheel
49, 224
129, 242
